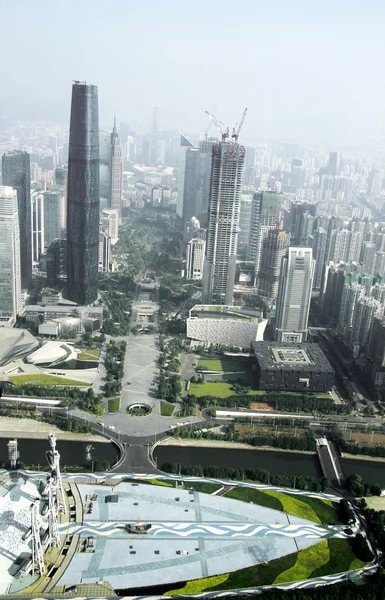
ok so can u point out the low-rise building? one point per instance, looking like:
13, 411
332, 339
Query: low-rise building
231, 325
284, 366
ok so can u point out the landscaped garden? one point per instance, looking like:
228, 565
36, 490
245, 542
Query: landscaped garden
42, 379
113, 405
222, 389
313, 509
139, 410
166, 410
225, 364
325, 558
91, 354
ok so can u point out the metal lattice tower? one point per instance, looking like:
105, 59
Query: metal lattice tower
52, 514
54, 461
37, 550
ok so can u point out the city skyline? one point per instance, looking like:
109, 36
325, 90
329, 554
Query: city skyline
317, 43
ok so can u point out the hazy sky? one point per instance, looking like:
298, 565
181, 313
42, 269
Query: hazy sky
307, 70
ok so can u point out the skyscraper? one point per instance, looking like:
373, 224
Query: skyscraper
195, 257
294, 295
116, 171
83, 195
228, 160
10, 276
53, 215
16, 173
187, 180
274, 246
266, 214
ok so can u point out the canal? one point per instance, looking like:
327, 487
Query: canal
278, 462
33, 452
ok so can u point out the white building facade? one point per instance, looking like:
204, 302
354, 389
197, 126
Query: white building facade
10, 274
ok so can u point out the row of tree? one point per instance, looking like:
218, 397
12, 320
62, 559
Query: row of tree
312, 484
357, 487
114, 364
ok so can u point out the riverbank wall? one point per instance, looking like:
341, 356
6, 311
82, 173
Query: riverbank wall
225, 444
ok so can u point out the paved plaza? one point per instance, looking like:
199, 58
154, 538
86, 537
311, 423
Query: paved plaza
141, 370
192, 535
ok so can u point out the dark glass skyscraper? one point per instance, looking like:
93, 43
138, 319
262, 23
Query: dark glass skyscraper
83, 195
16, 173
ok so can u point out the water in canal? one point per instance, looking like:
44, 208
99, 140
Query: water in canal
277, 462
32, 452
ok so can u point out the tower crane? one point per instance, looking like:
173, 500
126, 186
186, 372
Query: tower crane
220, 126
237, 128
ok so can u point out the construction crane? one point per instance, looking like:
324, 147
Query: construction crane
224, 131
237, 128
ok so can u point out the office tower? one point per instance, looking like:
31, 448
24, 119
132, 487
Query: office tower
294, 295
116, 172
298, 210
375, 183
146, 151
161, 152
104, 251
274, 247
331, 295
319, 254
37, 212
195, 257
205, 150
244, 222
154, 135
266, 214
187, 180
221, 248
130, 149
105, 169
249, 174
334, 163
10, 269
110, 223
57, 262
83, 196
53, 215
16, 173
61, 177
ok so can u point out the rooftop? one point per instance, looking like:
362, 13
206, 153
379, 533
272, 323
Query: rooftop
212, 311
287, 356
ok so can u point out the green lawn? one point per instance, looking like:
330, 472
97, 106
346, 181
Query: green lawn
91, 354
341, 558
313, 509
324, 558
222, 389
255, 496
45, 380
113, 405
225, 364
166, 410
308, 560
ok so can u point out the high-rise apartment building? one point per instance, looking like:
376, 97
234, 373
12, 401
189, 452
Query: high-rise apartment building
195, 257
274, 247
16, 173
294, 295
223, 222
116, 172
10, 270
83, 196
